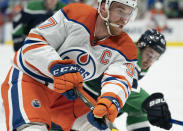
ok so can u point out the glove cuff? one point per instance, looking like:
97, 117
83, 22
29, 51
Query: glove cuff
114, 101
111, 94
61, 67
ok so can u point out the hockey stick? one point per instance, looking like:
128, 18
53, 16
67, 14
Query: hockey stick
91, 104
176, 122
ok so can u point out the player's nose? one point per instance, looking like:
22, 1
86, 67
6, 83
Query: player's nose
123, 21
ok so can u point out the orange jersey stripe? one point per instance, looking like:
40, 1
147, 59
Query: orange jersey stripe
118, 85
32, 35
35, 68
120, 77
33, 47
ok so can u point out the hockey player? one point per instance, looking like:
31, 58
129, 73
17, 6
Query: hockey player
140, 106
74, 45
34, 13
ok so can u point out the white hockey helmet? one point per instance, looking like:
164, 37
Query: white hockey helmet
130, 3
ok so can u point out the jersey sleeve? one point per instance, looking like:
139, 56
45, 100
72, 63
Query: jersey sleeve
39, 48
118, 79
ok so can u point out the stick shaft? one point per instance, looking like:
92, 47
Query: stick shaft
176, 122
91, 104
84, 99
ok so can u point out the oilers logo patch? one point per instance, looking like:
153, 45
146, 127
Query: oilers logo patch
36, 103
85, 62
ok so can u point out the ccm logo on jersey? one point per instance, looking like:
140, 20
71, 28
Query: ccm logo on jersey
157, 101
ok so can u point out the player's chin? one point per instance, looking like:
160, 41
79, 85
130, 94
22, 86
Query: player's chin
145, 66
116, 31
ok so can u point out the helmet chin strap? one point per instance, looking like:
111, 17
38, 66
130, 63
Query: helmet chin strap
106, 20
108, 28
107, 23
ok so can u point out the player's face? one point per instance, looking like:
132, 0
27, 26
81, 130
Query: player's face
119, 14
149, 56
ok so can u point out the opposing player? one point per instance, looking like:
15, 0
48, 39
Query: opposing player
141, 107
74, 45
34, 13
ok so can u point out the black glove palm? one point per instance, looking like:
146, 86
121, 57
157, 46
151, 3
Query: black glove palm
157, 111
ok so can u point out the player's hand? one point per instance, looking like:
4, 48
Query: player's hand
157, 110
108, 106
66, 76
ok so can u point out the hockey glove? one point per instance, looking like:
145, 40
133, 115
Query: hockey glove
108, 105
157, 110
66, 77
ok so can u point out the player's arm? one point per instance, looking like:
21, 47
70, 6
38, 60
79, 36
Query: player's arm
39, 49
116, 87
39, 59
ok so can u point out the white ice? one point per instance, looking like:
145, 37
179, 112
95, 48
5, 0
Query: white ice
166, 76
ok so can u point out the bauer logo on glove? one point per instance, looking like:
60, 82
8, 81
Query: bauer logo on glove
157, 111
157, 101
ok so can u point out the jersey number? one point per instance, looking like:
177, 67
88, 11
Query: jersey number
50, 22
130, 69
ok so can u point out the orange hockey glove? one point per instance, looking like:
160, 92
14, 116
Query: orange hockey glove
109, 104
66, 75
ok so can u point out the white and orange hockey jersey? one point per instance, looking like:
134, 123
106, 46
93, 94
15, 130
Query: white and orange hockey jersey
69, 34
